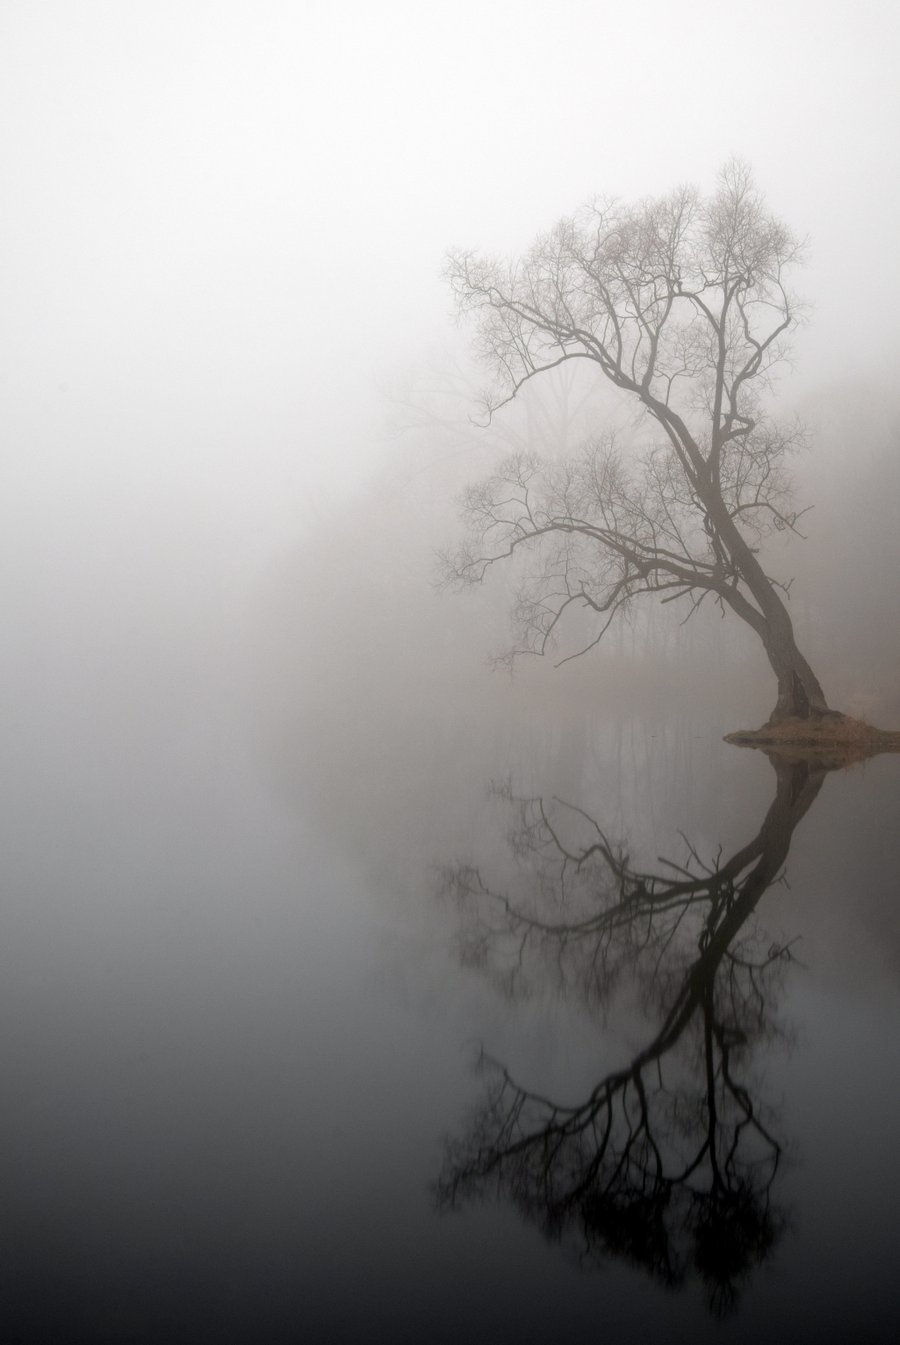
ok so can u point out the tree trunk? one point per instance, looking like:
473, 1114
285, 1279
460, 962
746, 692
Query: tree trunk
800, 695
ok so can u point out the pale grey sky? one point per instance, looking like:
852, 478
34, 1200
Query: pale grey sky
224, 221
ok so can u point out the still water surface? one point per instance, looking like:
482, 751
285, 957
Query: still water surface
247, 980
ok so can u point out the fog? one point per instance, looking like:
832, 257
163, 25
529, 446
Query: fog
222, 245
225, 228
242, 722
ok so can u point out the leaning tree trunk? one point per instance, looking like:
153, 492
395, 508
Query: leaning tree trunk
800, 695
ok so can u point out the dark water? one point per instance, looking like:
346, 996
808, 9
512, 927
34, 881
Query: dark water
247, 977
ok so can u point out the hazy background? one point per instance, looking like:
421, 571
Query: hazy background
237, 720
234, 402
224, 224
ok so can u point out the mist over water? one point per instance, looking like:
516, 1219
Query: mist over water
236, 1026
246, 737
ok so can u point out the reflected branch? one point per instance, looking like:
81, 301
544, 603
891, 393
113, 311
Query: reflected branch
669, 1161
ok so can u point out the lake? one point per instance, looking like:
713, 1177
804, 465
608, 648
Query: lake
492, 1016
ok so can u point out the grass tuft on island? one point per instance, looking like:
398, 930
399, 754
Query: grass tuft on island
828, 740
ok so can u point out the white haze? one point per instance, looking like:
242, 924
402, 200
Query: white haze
221, 245
239, 724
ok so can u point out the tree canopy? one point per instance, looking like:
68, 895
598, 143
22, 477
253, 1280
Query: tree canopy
683, 304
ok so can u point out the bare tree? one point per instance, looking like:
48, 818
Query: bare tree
682, 304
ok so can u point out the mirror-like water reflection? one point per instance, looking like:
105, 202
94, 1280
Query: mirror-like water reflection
670, 1160
237, 1035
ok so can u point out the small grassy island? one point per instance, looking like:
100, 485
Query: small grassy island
831, 739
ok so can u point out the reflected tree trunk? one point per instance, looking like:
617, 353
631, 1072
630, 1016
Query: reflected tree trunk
670, 1160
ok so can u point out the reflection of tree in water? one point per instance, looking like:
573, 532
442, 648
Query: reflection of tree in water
670, 1160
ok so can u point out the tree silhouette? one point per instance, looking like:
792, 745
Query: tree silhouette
682, 304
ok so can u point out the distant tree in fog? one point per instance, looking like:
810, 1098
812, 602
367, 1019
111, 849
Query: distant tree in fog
683, 304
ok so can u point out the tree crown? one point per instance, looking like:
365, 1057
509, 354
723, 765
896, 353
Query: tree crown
680, 300
683, 304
